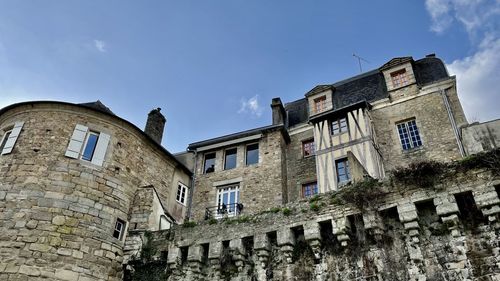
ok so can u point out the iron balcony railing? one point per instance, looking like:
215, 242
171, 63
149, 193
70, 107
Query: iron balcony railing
223, 210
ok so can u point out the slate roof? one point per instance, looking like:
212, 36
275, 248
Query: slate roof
368, 87
97, 105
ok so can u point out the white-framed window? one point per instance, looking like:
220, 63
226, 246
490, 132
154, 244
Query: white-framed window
9, 137
343, 170
409, 134
228, 198
252, 154
339, 126
119, 230
88, 145
182, 191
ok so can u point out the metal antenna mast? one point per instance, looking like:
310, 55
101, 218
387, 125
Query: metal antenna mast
359, 61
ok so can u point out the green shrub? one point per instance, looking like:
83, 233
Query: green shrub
314, 207
188, 224
423, 174
212, 221
275, 210
286, 211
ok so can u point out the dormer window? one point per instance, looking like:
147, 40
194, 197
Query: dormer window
320, 104
399, 78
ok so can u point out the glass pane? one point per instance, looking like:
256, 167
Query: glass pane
88, 152
209, 163
4, 140
253, 154
343, 125
230, 161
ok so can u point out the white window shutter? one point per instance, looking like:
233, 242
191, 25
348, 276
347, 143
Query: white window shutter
100, 149
11, 141
76, 142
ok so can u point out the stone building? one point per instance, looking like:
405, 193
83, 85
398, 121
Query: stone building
74, 178
86, 195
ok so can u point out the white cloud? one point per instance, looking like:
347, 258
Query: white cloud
474, 15
478, 73
251, 106
100, 45
477, 81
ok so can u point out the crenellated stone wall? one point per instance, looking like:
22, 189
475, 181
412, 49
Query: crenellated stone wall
381, 231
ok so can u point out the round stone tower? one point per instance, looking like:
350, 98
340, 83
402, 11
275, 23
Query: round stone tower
69, 177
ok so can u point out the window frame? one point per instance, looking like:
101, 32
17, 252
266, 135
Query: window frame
85, 143
315, 189
235, 158
399, 78
246, 154
182, 193
412, 144
319, 104
7, 132
313, 148
346, 167
205, 162
219, 199
341, 129
121, 232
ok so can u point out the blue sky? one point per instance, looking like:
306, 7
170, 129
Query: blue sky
214, 66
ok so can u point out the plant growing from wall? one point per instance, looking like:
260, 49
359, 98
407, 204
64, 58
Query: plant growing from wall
424, 174
362, 194
145, 268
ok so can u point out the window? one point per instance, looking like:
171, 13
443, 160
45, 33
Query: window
88, 145
319, 104
228, 199
308, 148
209, 166
230, 159
409, 135
4, 139
399, 78
9, 138
252, 154
343, 173
181, 193
309, 189
339, 126
119, 229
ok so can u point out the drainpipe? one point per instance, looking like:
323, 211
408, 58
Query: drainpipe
453, 122
193, 181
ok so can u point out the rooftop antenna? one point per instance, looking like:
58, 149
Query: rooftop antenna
359, 61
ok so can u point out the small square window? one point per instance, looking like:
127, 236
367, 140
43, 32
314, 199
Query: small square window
339, 126
252, 154
181, 193
409, 134
90, 145
119, 229
230, 159
320, 104
399, 78
308, 148
309, 189
343, 171
4, 139
209, 166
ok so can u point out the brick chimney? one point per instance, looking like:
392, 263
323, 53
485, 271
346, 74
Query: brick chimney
155, 125
279, 112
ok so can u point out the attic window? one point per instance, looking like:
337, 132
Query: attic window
399, 78
320, 104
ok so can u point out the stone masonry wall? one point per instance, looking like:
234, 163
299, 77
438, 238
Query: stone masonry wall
261, 185
438, 139
300, 169
402, 233
57, 214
